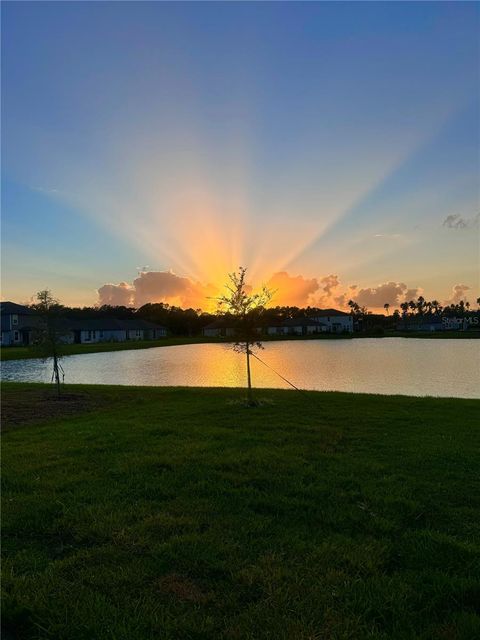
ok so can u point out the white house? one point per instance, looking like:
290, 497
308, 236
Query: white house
336, 321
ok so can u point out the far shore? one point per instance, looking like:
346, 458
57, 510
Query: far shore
26, 352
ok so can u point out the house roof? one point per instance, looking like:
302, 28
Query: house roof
216, 324
323, 313
297, 322
302, 322
8, 308
111, 324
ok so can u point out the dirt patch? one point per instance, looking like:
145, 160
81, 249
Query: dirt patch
182, 589
31, 406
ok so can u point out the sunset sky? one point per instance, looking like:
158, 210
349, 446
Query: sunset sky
150, 148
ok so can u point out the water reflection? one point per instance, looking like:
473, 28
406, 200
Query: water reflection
387, 366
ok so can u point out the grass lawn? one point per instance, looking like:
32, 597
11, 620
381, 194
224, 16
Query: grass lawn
173, 513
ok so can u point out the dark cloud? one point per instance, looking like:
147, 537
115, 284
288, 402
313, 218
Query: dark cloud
456, 221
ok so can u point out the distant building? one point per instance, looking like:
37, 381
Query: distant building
92, 330
433, 323
18, 322
297, 326
218, 328
336, 321
437, 323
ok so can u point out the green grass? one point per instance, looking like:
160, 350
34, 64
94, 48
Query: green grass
22, 353
172, 513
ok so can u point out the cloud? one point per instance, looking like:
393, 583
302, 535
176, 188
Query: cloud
342, 299
116, 295
168, 287
329, 282
158, 286
392, 293
458, 293
329, 292
326, 292
456, 221
387, 235
292, 290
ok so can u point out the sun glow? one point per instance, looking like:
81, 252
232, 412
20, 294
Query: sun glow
201, 212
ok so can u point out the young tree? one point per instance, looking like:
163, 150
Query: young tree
245, 309
48, 334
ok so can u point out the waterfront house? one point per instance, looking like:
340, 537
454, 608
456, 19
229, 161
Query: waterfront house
429, 323
335, 321
218, 328
18, 323
296, 326
92, 330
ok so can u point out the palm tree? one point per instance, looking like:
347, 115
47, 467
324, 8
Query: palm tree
386, 306
420, 305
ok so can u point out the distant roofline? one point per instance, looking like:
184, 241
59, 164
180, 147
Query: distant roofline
330, 312
8, 307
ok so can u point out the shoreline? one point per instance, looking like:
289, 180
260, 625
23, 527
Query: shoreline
69, 388
26, 353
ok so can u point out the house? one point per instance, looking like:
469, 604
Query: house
336, 321
433, 323
92, 330
297, 326
18, 322
217, 329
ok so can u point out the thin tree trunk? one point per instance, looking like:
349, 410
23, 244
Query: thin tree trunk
56, 372
249, 377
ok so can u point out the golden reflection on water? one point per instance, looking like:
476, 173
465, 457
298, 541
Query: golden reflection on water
389, 366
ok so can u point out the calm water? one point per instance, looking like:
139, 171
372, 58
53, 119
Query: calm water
387, 365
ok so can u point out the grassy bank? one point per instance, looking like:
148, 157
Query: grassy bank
22, 353
164, 513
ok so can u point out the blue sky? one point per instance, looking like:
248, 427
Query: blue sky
316, 139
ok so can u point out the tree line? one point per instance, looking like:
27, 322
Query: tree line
420, 308
190, 322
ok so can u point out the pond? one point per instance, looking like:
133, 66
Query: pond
417, 367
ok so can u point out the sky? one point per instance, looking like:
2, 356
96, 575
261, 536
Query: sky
149, 148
